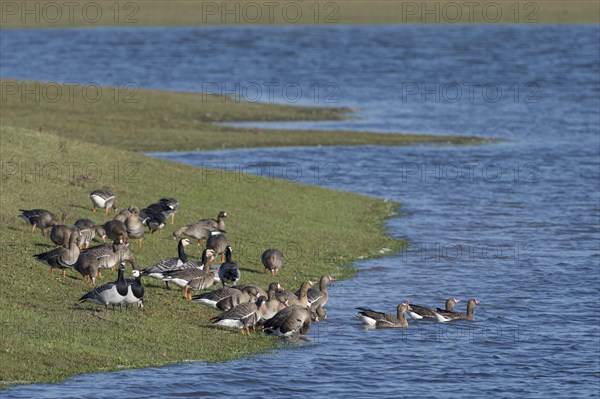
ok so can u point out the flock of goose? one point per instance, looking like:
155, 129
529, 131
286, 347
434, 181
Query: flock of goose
275, 310
247, 306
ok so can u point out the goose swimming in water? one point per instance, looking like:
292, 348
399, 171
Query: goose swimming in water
418, 312
383, 320
444, 316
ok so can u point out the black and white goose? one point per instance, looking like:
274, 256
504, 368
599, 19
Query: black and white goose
135, 291
64, 257
376, 319
112, 293
444, 316
157, 270
418, 312
229, 272
242, 316
166, 206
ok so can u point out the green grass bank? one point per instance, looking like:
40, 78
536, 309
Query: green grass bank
54, 152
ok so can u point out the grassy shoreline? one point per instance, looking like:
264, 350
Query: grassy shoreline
55, 152
126, 13
155, 120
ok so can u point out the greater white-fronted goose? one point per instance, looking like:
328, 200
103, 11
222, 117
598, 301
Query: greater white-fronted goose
383, 320
318, 299
418, 312
193, 230
40, 218
229, 272
156, 271
194, 277
61, 232
106, 256
253, 289
112, 293
135, 291
226, 298
88, 230
272, 259
135, 225
88, 266
289, 322
242, 316
103, 199
116, 230
218, 243
217, 224
301, 299
61, 258
273, 305
444, 316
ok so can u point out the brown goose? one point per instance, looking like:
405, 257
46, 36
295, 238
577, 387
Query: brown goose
273, 305
226, 298
107, 256
135, 225
301, 299
219, 244
242, 316
272, 259
88, 230
39, 218
103, 199
383, 320
253, 289
318, 299
194, 276
115, 229
61, 258
61, 232
217, 224
444, 316
418, 312
193, 230
289, 322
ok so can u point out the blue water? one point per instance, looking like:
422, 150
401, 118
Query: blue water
515, 224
